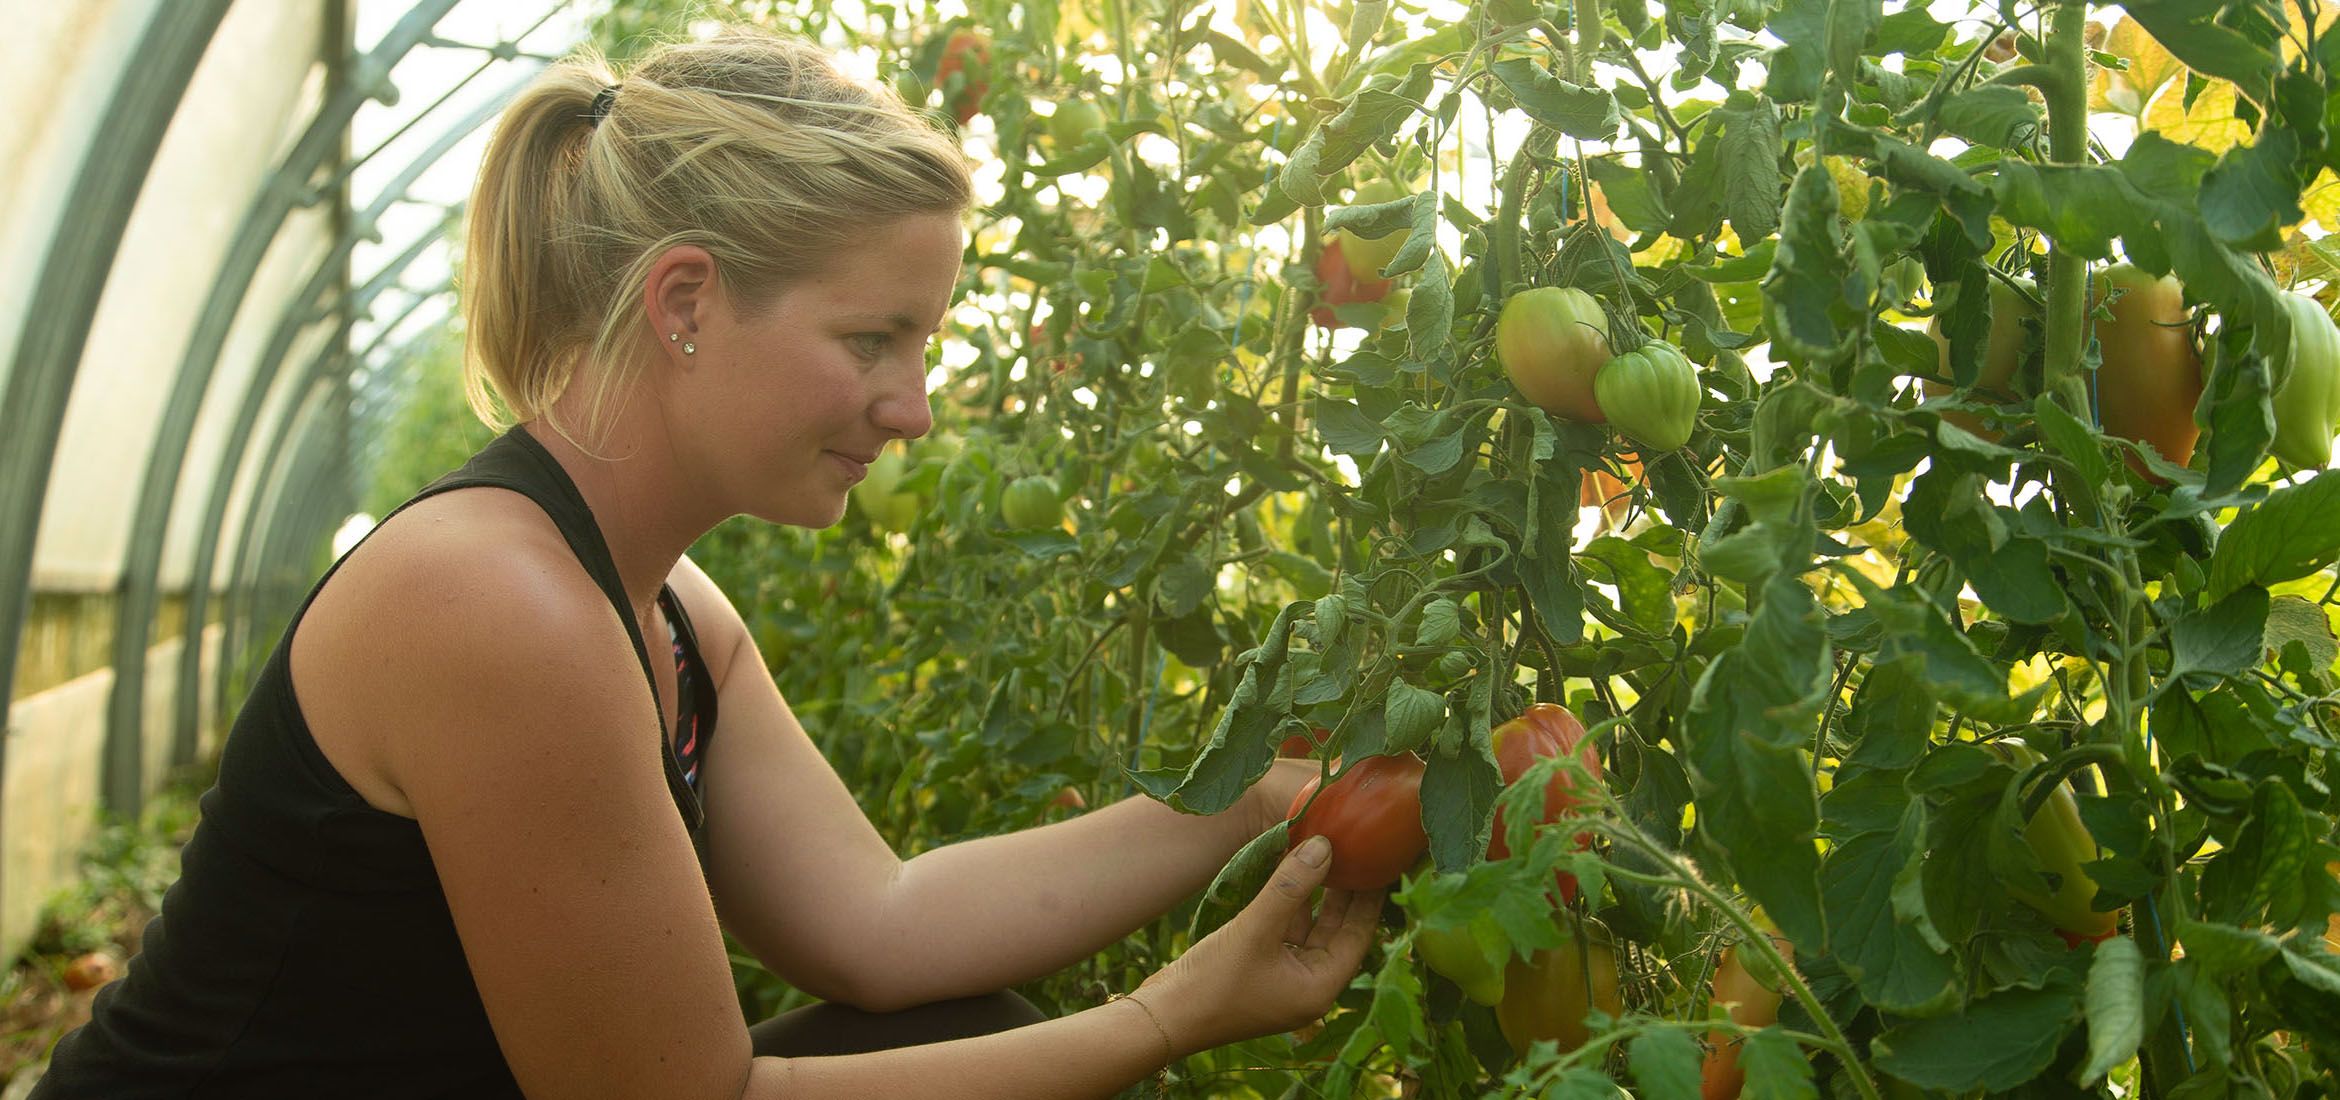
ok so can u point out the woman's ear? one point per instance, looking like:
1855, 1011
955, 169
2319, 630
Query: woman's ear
678, 295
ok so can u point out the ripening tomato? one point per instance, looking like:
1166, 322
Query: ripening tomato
2151, 375
1751, 1003
1552, 341
2002, 355
1340, 287
1366, 256
1549, 994
1544, 730
1651, 394
966, 55
1372, 814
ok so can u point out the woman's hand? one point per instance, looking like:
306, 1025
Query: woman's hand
1274, 967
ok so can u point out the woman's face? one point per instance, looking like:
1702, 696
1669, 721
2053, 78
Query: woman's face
779, 411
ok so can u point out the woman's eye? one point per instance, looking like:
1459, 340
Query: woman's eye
869, 344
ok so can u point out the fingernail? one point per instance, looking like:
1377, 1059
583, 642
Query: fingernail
1314, 850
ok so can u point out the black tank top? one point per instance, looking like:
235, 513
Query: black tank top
306, 949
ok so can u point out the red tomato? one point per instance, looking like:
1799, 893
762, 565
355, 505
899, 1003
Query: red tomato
1544, 730
1373, 816
967, 54
1341, 287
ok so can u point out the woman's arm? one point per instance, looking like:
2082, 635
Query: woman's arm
513, 717
804, 881
1274, 967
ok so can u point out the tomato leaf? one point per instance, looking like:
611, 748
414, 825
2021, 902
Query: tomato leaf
1246, 873
1458, 799
2194, 34
1410, 715
1749, 149
1750, 717
1569, 108
2291, 534
2223, 948
2241, 418
2071, 439
1891, 715
2116, 1007
1243, 744
1396, 1011
1430, 312
2295, 619
1898, 970
2259, 877
2224, 639
1804, 302
1776, 1068
1999, 1041
1665, 1064
1997, 115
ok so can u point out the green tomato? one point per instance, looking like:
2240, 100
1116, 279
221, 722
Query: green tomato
1458, 954
1650, 393
1031, 502
2307, 402
1366, 256
879, 494
1075, 119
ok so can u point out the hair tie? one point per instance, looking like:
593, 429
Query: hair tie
601, 104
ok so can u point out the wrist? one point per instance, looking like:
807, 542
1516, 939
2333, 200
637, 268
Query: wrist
1180, 1032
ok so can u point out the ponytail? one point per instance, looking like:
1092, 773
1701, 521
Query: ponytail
749, 145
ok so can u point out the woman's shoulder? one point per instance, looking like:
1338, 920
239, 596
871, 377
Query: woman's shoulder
456, 609
461, 555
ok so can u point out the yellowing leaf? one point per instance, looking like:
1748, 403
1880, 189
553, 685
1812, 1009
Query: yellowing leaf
2150, 67
2321, 200
2209, 123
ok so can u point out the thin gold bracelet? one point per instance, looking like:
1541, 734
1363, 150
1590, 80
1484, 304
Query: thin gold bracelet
1169, 1050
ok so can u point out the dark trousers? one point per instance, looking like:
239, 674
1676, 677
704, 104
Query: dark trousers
836, 1029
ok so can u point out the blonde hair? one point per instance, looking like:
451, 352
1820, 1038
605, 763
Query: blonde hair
752, 146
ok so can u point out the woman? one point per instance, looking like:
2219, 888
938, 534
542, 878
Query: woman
445, 856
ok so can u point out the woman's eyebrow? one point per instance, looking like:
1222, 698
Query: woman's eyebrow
898, 321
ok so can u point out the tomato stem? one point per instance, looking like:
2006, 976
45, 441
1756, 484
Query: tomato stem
2064, 83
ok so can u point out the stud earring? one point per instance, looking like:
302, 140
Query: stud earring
673, 336
690, 349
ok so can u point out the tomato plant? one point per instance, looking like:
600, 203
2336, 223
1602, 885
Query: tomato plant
1372, 814
1309, 500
